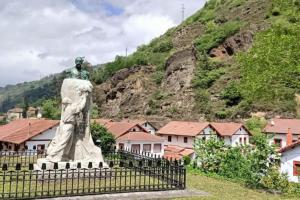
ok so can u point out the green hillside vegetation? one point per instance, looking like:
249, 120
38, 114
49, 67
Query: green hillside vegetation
262, 78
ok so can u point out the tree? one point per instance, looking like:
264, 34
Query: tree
51, 109
102, 137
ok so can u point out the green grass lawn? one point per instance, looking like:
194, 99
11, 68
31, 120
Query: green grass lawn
218, 188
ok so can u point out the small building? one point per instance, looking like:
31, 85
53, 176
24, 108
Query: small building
29, 134
131, 135
141, 142
277, 129
147, 125
183, 133
290, 158
233, 134
15, 113
32, 112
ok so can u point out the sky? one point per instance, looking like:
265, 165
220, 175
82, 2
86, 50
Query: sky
42, 37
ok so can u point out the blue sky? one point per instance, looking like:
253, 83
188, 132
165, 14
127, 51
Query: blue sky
42, 37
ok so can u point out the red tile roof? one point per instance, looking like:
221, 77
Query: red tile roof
140, 136
21, 130
183, 128
120, 128
289, 147
282, 126
227, 128
139, 121
176, 152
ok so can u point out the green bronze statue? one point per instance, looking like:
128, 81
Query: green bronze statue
79, 71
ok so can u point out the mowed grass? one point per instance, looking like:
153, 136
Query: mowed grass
219, 188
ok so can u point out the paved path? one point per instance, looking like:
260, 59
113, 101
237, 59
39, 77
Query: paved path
139, 195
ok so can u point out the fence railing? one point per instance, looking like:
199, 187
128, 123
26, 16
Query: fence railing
127, 172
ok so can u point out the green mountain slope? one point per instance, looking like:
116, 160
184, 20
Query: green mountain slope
230, 59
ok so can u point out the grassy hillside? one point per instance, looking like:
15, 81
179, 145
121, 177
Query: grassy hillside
228, 60
234, 75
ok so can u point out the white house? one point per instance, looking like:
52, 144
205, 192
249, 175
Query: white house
29, 134
290, 159
233, 134
277, 130
183, 133
141, 142
147, 125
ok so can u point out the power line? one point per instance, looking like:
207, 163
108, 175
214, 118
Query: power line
182, 12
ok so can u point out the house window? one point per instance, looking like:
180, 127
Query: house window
296, 168
278, 142
121, 146
185, 139
169, 138
145, 124
245, 140
147, 147
157, 148
241, 140
135, 148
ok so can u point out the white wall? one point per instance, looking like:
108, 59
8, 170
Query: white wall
280, 136
286, 165
127, 145
43, 138
178, 140
149, 128
235, 139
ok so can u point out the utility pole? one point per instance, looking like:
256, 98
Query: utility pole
126, 51
182, 12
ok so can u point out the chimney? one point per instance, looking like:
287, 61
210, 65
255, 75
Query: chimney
272, 123
289, 137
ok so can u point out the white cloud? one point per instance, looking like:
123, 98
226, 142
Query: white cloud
43, 37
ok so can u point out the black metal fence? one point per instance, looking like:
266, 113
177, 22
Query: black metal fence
127, 172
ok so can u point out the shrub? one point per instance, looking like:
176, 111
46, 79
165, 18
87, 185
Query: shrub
204, 79
215, 37
102, 138
231, 94
164, 46
223, 114
158, 77
187, 160
51, 109
275, 182
275, 11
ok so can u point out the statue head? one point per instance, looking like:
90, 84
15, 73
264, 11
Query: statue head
78, 62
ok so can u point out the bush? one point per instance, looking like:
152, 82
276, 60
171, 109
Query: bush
164, 46
158, 77
275, 182
253, 165
275, 11
231, 94
215, 37
187, 160
204, 79
102, 138
51, 109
